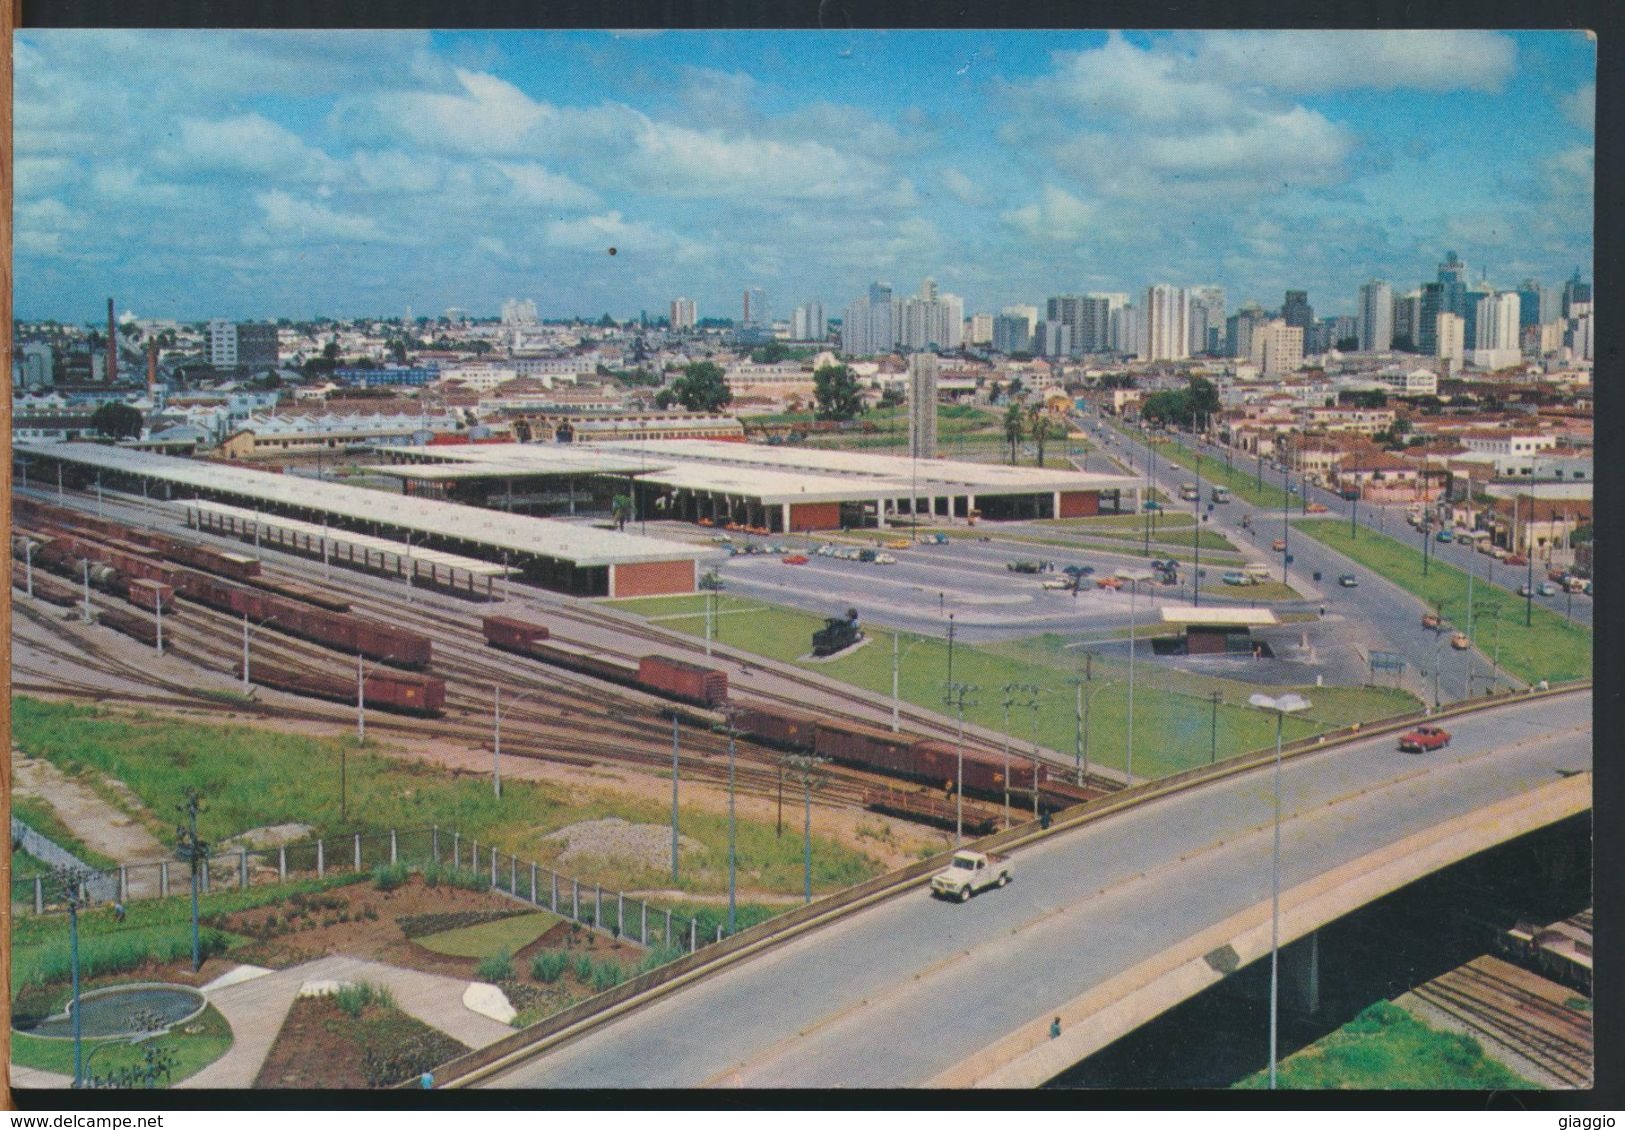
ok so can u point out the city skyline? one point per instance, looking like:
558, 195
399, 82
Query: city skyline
287, 174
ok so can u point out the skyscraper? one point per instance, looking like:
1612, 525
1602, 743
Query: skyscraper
1537, 304
1068, 310
871, 324
1127, 332
1296, 311
684, 315
931, 320
807, 323
1448, 345
1408, 318
1167, 323
519, 312
1376, 316
980, 331
222, 336
1239, 329
1010, 334
756, 309
1575, 292
1054, 339
922, 405
1207, 319
1277, 348
1427, 320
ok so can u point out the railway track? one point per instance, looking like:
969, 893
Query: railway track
1501, 1001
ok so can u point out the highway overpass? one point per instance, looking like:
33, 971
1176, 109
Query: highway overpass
1107, 925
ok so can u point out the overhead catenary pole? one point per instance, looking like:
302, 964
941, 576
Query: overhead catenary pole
674, 745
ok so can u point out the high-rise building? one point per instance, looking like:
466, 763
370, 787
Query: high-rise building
1376, 316
1094, 332
1239, 329
1277, 348
1475, 294
1010, 334
807, 323
980, 329
1533, 302
931, 320
1054, 339
1296, 311
684, 314
922, 405
1408, 318
1495, 331
1432, 304
1127, 332
757, 312
519, 312
1167, 323
1575, 292
34, 364
1453, 285
222, 340
871, 324
1448, 344
257, 346
1206, 305
1067, 309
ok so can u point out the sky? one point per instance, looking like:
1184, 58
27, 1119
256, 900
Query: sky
196, 174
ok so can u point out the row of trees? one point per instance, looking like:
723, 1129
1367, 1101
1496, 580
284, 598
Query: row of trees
703, 387
1031, 422
1197, 401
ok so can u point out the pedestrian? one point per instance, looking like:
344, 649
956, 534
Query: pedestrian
118, 912
426, 1080
1055, 1028
1323, 612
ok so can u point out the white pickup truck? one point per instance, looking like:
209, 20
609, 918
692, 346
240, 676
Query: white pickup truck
970, 871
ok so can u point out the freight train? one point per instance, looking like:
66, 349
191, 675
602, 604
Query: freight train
424, 695
927, 760
657, 674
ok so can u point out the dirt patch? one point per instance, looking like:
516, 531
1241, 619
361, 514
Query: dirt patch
103, 827
619, 841
270, 836
322, 1046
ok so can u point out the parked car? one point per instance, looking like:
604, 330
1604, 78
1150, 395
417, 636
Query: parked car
1432, 621
1315, 508
1525, 590
1545, 588
1561, 576
1109, 583
1517, 559
796, 559
898, 543
1460, 642
1234, 578
970, 872
1349, 581
1350, 494
1057, 583
1444, 535
1078, 570
1424, 738
1278, 545
885, 559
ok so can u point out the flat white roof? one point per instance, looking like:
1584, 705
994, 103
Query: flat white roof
1217, 617
345, 537
539, 537
772, 474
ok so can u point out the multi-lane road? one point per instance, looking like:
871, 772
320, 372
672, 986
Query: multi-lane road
896, 994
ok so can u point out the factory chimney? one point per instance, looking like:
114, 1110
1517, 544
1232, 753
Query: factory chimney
112, 345
152, 371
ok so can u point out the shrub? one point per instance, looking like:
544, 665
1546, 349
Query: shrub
117, 953
436, 873
353, 999
497, 967
660, 955
607, 975
388, 876
548, 966
583, 968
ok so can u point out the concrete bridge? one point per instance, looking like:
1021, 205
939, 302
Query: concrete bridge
1106, 926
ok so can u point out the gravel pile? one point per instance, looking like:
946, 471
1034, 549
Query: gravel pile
620, 840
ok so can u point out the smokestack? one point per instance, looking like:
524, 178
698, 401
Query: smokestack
112, 345
152, 370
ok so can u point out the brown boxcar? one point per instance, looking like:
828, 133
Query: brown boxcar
307, 594
151, 594
380, 641
689, 682
783, 728
866, 747
512, 633
386, 690
596, 666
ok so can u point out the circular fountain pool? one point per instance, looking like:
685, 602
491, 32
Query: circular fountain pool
125, 1010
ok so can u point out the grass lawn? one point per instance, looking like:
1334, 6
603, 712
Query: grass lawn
23, 867
1550, 648
1386, 1048
1173, 724
38, 814
195, 1045
253, 777
508, 935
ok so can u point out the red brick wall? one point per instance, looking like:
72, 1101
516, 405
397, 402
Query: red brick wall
653, 578
1079, 504
815, 516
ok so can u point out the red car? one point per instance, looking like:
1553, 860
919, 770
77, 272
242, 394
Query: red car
795, 559
1517, 559
1424, 739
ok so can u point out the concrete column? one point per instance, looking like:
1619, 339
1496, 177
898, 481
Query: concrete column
785, 528
553, 900
39, 891
434, 843
394, 852
880, 513
456, 851
533, 884
123, 883
693, 935
597, 906
970, 504
643, 923
1056, 513
321, 861
242, 869
575, 900
358, 851
282, 863
620, 913
513, 875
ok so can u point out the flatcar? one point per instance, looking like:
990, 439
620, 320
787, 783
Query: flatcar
132, 624
385, 690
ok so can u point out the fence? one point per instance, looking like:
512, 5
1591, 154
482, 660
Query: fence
54, 855
455, 859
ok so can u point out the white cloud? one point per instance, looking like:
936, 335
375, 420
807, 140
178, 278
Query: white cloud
963, 189
308, 221
488, 115
41, 174
1055, 215
248, 143
1581, 107
534, 184
1309, 61
1122, 81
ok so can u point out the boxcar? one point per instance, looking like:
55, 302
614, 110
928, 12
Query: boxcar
151, 595
135, 626
783, 728
386, 690
689, 682
511, 633
866, 747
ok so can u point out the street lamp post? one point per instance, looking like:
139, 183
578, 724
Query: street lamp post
950, 648
192, 851
76, 897
1083, 772
674, 748
1213, 733
496, 732
246, 632
1134, 577
1282, 706
1286, 524
896, 666
361, 673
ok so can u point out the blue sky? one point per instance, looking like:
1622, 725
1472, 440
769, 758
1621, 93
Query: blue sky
264, 174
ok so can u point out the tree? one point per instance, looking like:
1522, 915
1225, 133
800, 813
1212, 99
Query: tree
835, 390
702, 387
117, 420
770, 354
621, 509
1041, 427
665, 398
1013, 428
1204, 400
892, 397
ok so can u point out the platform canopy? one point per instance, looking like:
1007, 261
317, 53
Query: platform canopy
1220, 617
